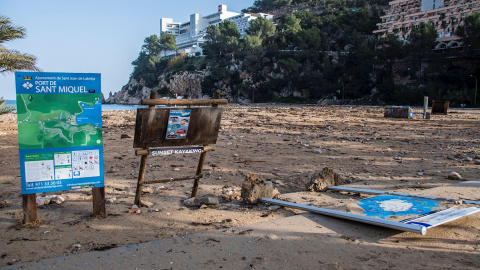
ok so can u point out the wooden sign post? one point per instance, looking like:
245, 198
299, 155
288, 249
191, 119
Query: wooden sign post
182, 129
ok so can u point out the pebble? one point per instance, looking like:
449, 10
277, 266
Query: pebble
43, 201
76, 246
454, 176
176, 169
160, 188
476, 161
147, 190
420, 174
134, 206
111, 200
317, 151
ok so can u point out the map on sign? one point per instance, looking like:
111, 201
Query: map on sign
52, 121
59, 118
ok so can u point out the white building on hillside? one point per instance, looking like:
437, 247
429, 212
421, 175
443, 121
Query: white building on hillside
191, 35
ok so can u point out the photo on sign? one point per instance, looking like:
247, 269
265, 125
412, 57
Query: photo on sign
178, 121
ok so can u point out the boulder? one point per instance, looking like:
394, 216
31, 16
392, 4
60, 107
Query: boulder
326, 177
255, 188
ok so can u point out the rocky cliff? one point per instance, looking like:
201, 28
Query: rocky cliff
185, 83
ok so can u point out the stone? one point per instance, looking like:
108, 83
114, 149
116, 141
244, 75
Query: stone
476, 161
160, 188
254, 188
454, 176
43, 200
189, 201
56, 199
146, 204
212, 200
321, 179
317, 151
146, 190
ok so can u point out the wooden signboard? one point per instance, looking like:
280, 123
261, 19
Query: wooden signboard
176, 130
153, 123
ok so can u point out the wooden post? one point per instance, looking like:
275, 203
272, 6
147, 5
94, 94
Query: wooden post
98, 195
29, 208
143, 163
141, 180
202, 159
425, 107
199, 172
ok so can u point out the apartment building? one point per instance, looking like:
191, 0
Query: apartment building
191, 35
402, 16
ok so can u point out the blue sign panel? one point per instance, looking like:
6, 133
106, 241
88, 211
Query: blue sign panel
60, 139
386, 206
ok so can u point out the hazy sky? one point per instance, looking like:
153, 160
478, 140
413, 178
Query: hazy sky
94, 36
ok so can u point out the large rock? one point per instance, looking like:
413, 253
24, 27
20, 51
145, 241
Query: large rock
321, 179
255, 188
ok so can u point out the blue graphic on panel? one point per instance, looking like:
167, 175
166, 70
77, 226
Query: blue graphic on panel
387, 206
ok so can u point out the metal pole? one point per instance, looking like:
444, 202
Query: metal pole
425, 107
364, 219
476, 84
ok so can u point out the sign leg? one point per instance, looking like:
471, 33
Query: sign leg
199, 171
29, 208
141, 180
98, 195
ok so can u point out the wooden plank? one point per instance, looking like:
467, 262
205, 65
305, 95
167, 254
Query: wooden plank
98, 196
151, 127
171, 102
29, 208
171, 180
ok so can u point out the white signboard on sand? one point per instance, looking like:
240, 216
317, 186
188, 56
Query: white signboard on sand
443, 216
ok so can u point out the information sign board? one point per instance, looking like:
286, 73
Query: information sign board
60, 140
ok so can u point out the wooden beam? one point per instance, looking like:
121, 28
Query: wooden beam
170, 102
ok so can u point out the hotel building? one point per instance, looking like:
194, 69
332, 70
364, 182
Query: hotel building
191, 35
402, 16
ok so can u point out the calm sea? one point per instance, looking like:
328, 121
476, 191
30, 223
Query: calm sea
105, 107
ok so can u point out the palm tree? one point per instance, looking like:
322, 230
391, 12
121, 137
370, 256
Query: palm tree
12, 60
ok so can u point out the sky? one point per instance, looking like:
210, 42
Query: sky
94, 36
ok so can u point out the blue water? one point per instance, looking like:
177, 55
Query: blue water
105, 107
90, 115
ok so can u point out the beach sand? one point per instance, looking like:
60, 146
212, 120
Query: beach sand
285, 145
